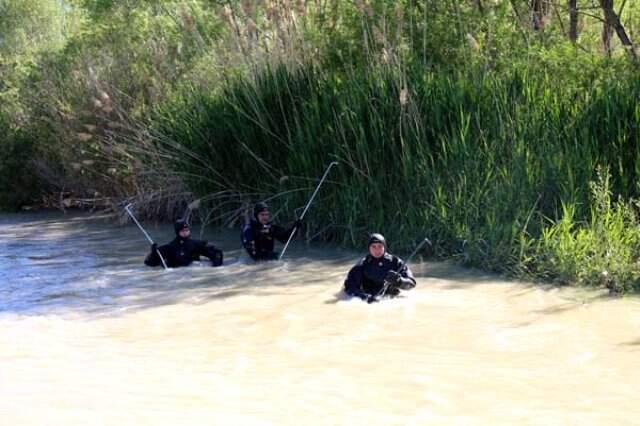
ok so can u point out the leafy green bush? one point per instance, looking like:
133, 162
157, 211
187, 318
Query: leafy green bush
603, 251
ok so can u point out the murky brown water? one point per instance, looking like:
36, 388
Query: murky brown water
88, 335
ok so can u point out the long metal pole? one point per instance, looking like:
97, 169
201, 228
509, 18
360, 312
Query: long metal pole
334, 163
426, 240
128, 210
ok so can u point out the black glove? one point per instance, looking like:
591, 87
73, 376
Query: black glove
216, 258
297, 223
154, 247
372, 299
392, 277
406, 284
392, 291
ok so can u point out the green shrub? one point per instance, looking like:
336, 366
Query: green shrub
603, 251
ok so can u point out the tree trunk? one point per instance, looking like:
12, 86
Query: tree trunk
539, 12
573, 20
612, 23
607, 26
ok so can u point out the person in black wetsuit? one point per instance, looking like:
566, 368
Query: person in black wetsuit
378, 274
183, 250
259, 234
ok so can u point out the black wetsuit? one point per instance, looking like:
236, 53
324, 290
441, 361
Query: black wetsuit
367, 278
183, 251
258, 239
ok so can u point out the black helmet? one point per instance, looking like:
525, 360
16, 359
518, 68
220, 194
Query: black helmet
179, 225
258, 208
377, 238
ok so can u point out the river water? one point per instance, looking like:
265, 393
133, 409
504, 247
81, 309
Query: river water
89, 335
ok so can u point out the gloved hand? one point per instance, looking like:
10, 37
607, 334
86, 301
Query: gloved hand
372, 299
154, 247
392, 291
297, 223
405, 284
216, 260
392, 277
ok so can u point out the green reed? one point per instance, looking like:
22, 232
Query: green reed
483, 164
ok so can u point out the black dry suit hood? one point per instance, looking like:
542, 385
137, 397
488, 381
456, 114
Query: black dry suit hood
377, 238
259, 208
179, 225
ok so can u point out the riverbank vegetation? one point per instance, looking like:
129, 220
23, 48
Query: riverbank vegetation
505, 131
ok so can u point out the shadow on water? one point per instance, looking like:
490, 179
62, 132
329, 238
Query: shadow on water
337, 297
457, 277
635, 344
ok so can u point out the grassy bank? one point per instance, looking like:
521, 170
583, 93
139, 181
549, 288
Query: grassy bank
490, 167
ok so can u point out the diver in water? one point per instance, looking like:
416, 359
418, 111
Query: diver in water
378, 274
183, 250
259, 234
